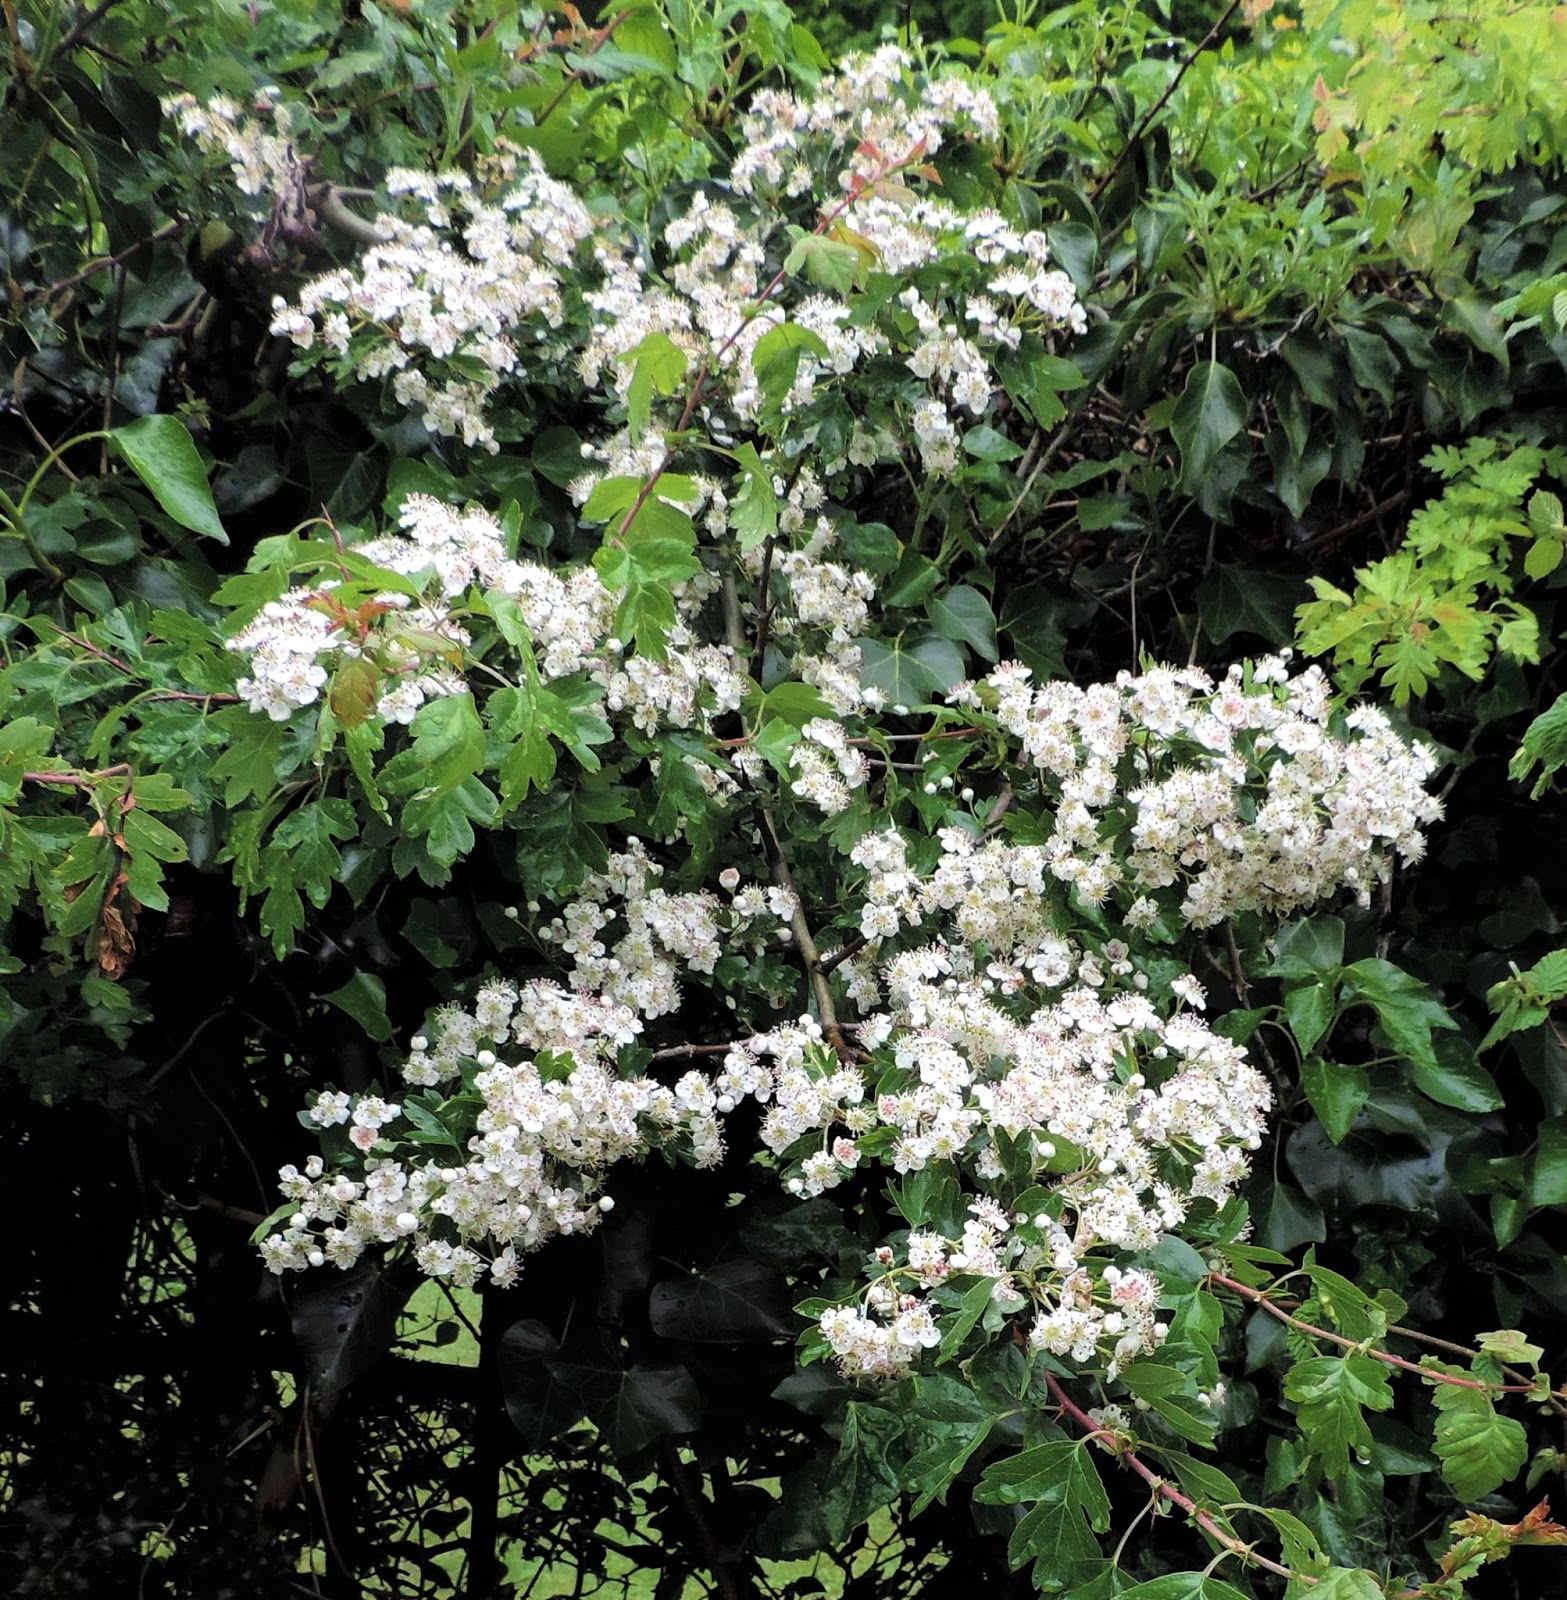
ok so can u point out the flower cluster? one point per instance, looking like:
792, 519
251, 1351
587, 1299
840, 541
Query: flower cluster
457, 288
258, 143
477, 281
1239, 791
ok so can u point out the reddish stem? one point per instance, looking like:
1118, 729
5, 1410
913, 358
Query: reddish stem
1118, 1447
1260, 1298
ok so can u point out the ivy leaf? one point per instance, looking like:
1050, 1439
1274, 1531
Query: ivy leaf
1212, 410
1236, 599
1310, 947
160, 451
902, 675
1286, 1219
1405, 1008
343, 1323
964, 613
1456, 1078
1310, 1011
1336, 1092
540, 1406
633, 1406
735, 1300
363, 998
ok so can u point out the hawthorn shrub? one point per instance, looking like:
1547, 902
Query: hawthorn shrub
693, 647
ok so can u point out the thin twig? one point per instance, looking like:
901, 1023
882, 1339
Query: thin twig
600, 39
1119, 1447
1164, 99
1260, 1298
84, 25
50, 290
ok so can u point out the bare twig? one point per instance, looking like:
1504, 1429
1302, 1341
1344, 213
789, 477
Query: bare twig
1153, 111
85, 22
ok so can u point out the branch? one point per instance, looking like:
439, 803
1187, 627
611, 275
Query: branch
100, 263
85, 22
327, 203
1164, 99
79, 780
600, 39
810, 956
1119, 1447
1259, 1297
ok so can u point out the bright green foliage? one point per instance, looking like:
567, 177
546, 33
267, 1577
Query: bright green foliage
1444, 601
1479, 1449
1332, 1394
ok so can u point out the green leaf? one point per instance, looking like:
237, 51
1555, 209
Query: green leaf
1212, 410
828, 263
1310, 1010
1544, 746
1237, 599
862, 1478
733, 1301
776, 359
1183, 1586
1347, 1583
159, 450
1336, 1092
754, 508
447, 748
964, 613
1070, 1507
1479, 1450
1329, 1392
658, 364
1456, 1078
363, 998
972, 1307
